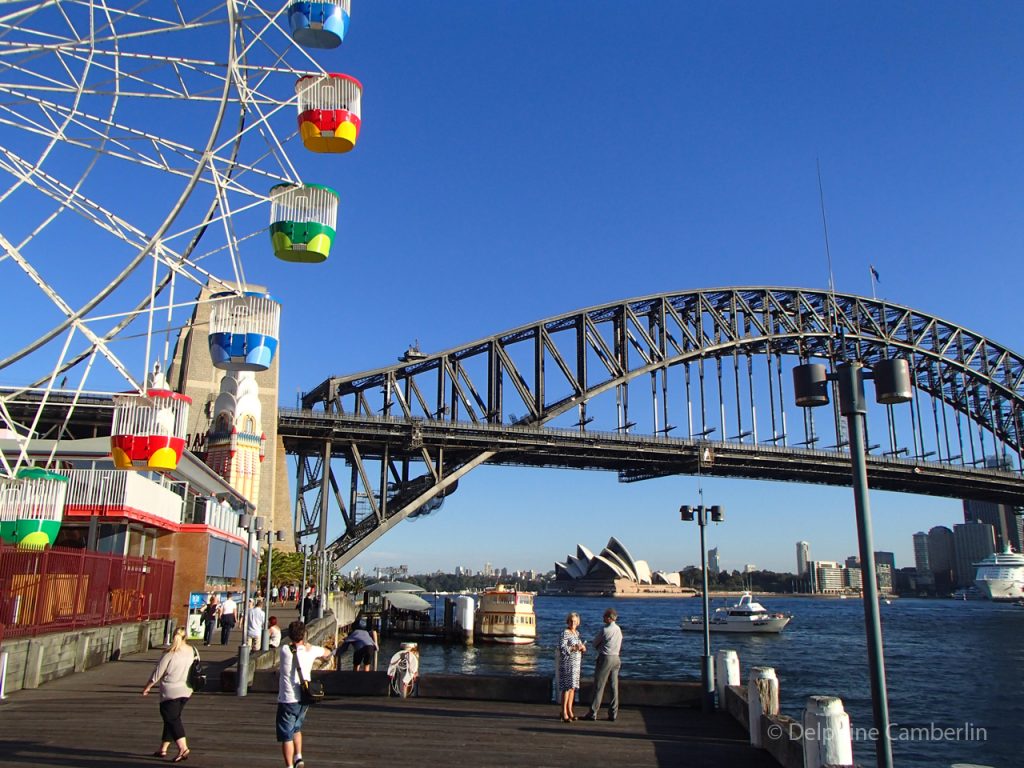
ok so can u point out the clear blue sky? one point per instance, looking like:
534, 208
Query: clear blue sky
520, 160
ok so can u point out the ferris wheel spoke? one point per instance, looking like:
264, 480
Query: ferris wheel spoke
155, 127
40, 40
73, 199
114, 137
64, 307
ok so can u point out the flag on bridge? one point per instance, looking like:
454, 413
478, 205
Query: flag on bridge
874, 273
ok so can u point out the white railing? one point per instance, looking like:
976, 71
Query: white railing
224, 518
117, 489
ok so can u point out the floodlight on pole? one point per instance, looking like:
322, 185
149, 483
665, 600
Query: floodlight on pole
265, 634
702, 514
253, 525
893, 385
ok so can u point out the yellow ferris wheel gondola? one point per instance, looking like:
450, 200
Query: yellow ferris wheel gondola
330, 112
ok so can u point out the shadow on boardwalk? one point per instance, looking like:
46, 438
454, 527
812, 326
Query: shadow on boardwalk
98, 718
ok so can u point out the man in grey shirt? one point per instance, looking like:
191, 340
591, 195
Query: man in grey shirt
608, 643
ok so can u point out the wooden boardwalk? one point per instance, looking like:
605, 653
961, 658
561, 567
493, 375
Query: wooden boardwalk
98, 718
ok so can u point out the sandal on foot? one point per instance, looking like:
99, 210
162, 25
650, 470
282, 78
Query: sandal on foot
159, 753
182, 756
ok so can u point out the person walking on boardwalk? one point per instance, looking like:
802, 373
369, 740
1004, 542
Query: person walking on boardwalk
171, 673
608, 643
209, 619
570, 655
293, 656
364, 647
308, 605
254, 620
228, 614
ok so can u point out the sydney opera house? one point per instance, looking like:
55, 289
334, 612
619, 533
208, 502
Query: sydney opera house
614, 572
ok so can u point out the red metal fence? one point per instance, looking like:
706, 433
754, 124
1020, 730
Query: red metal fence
60, 589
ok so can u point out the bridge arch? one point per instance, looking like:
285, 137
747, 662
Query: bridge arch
663, 375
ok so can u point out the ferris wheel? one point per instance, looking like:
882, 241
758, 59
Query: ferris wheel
148, 149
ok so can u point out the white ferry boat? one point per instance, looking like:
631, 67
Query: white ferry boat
744, 616
505, 615
1001, 576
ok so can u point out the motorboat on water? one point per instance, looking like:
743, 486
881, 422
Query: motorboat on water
505, 615
744, 616
1000, 576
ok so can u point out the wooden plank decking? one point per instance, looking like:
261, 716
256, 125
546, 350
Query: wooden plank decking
97, 719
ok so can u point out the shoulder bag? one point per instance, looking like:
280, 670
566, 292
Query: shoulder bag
196, 679
310, 691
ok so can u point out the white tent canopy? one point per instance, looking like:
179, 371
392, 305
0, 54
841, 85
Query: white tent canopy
406, 602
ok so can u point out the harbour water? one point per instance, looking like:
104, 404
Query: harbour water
950, 664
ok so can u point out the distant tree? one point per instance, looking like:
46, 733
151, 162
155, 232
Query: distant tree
286, 569
690, 576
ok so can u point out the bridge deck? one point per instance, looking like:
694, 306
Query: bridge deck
97, 718
634, 457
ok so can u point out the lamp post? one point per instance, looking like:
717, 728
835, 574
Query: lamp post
892, 386
254, 527
265, 635
302, 594
701, 514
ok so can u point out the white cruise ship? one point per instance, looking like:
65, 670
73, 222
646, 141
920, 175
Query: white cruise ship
1001, 576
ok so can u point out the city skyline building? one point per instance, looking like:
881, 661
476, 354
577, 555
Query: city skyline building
826, 576
887, 558
972, 543
1007, 523
714, 565
942, 558
853, 577
885, 575
921, 564
803, 557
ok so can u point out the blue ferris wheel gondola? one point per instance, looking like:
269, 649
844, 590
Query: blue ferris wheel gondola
244, 331
319, 24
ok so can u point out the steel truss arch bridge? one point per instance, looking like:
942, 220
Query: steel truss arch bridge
674, 383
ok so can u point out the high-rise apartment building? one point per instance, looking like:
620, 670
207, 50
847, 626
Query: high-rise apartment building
826, 576
972, 542
803, 557
714, 565
1008, 525
886, 558
942, 558
921, 563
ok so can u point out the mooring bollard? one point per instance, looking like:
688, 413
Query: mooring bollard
464, 617
827, 739
727, 672
762, 699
